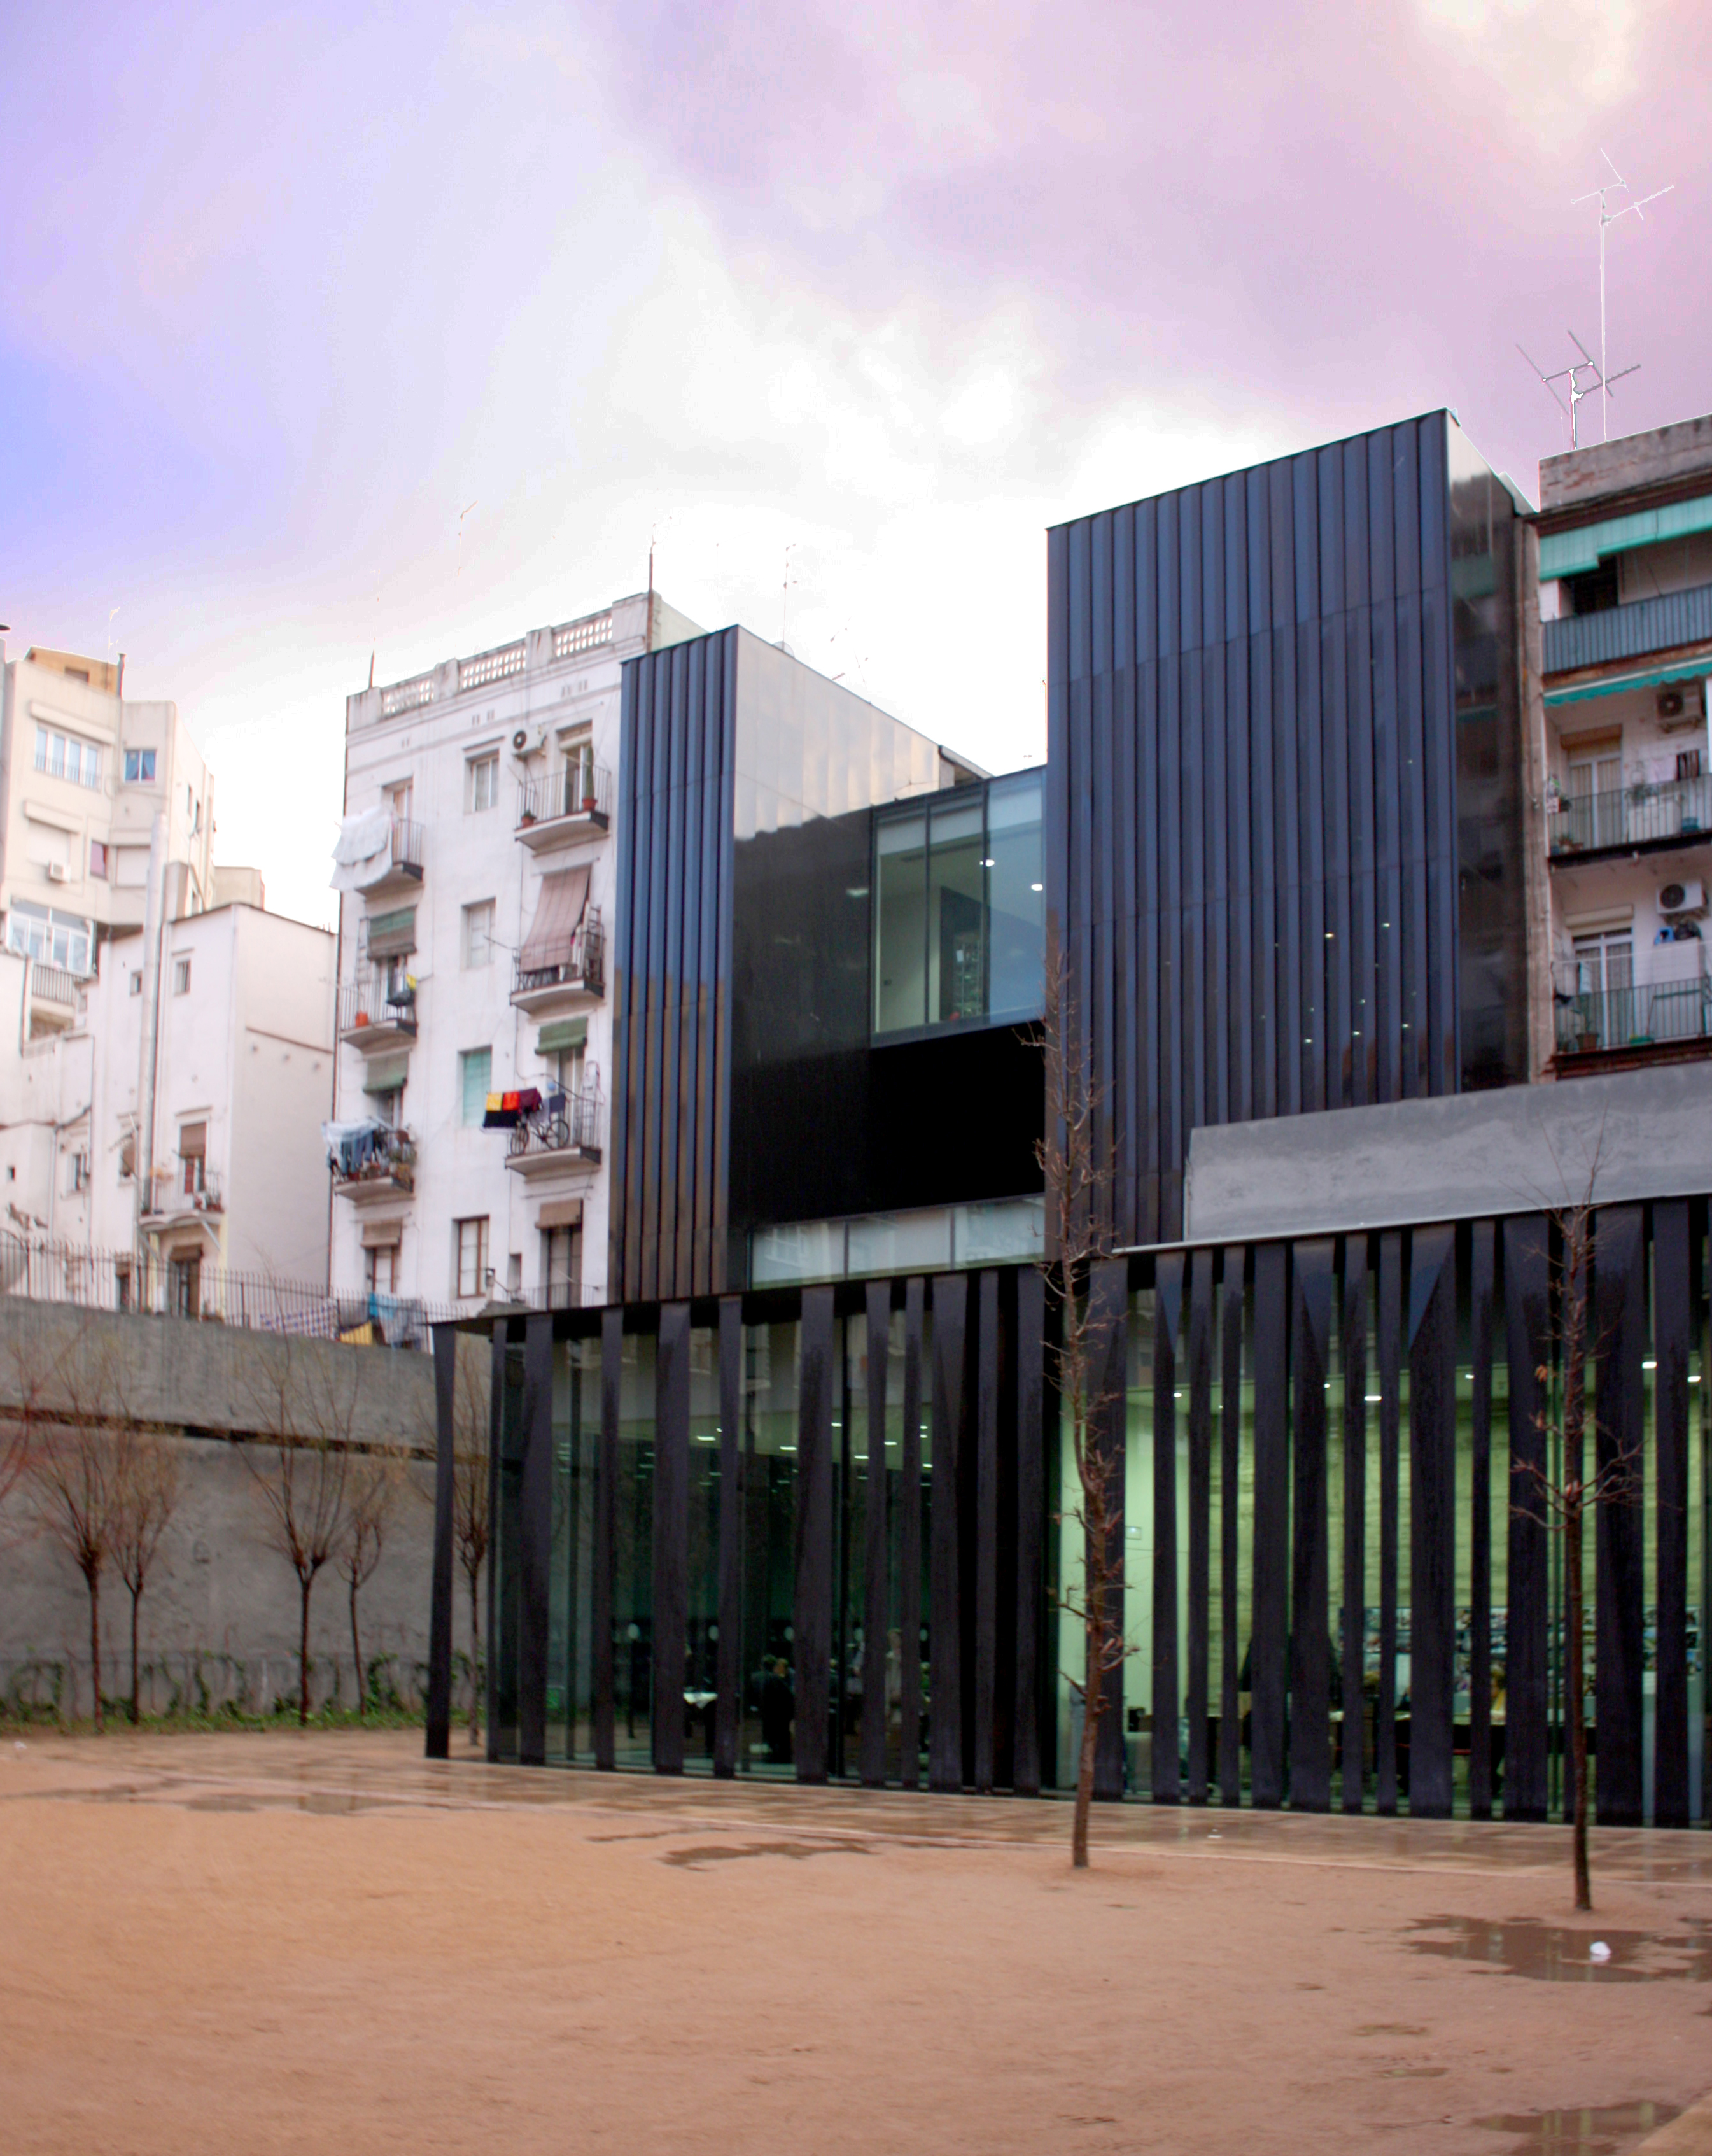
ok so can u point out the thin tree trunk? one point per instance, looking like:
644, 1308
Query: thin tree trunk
303, 1657
135, 1708
356, 1657
1574, 1485
474, 1660
95, 1580
1577, 1704
1092, 1698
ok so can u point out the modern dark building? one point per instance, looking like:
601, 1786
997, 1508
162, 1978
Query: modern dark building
799, 1502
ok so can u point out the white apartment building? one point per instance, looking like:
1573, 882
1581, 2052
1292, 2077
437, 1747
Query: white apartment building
84, 772
205, 1158
476, 864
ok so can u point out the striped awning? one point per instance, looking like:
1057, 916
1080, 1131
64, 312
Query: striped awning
393, 935
562, 1035
558, 913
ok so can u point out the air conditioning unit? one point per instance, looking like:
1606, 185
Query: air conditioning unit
1682, 898
1682, 709
58, 872
529, 741
520, 742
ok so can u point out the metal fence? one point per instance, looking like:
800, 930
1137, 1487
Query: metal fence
36, 1269
1645, 812
1640, 1015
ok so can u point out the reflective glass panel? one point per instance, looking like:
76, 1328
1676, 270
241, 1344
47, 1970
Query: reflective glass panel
632, 1557
957, 946
767, 1735
1015, 886
900, 930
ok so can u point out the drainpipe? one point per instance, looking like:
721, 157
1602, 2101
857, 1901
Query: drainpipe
154, 911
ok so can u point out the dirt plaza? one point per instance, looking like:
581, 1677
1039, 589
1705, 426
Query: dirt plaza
261, 1941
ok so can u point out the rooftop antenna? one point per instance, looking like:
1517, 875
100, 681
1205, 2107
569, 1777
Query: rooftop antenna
1616, 185
1587, 364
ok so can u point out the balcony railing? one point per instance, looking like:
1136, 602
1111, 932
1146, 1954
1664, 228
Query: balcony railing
378, 1159
186, 1186
376, 1012
1628, 632
1592, 1021
576, 963
580, 790
567, 1127
1668, 812
53, 984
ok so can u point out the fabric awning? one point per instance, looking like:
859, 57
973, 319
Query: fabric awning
562, 1035
393, 935
382, 1234
561, 1213
386, 1074
558, 911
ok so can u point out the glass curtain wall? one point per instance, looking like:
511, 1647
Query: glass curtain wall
705, 1494
577, 1422
766, 1728
632, 1557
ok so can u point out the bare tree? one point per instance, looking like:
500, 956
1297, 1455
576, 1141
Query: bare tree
305, 1396
74, 1466
371, 1490
1076, 1176
146, 1498
1562, 1498
470, 1508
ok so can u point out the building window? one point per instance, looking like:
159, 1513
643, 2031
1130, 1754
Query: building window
98, 860
181, 977
483, 783
476, 1071
56, 939
478, 934
472, 1258
193, 1156
579, 771
127, 1155
960, 908
121, 1286
63, 755
184, 1287
79, 1173
139, 766
561, 1266
380, 1271
136, 984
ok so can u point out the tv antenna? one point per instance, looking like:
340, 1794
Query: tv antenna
1616, 185
1578, 389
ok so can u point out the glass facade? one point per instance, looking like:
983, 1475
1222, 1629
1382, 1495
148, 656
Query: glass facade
929, 1239
959, 909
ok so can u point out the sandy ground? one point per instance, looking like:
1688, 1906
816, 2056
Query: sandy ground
269, 1942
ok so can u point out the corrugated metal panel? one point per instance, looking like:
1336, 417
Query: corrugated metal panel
1567, 553
1628, 632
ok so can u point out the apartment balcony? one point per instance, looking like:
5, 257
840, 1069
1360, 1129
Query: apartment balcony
575, 802
375, 1015
1635, 631
565, 1134
379, 1164
567, 973
1618, 1027
379, 855
1648, 817
186, 1191
53, 1000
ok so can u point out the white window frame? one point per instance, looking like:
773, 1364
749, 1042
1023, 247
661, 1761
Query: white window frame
479, 917
481, 783
470, 1256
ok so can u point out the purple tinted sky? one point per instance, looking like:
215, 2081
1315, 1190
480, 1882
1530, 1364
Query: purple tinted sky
855, 298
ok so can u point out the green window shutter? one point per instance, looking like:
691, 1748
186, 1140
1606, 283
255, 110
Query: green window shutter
386, 1074
561, 1036
1567, 553
393, 935
475, 1070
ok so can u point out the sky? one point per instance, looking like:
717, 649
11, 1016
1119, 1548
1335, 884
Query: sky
836, 307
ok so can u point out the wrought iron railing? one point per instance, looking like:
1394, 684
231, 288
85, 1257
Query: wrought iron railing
1643, 813
1642, 1015
387, 1156
580, 789
567, 1122
376, 1002
576, 961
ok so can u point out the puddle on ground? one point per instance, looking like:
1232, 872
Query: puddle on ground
720, 1852
1519, 1946
1610, 2131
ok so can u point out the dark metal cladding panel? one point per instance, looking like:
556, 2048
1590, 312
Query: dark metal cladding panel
1329, 492
617, 1166
729, 1266
689, 984
812, 1608
654, 1021
1263, 828
987, 1528
910, 1540
1310, 1656
1335, 920
1288, 964
728, 1676
1241, 1014
672, 977
1271, 1527
605, 1526
628, 1075
1126, 1165
439, 1676
671, 1535
1352, 1349
876, 1556
535, 1541
1034, 1447
1109, 1296
945, 1743
1527, 1289
1310, 911
1364, 919
1620, 1327
1433, 1430
1230, 1509
1200, 1318
1673, 1333
1168, 560
1147, 581
1389, 1327
1482, 1281
1165, 1690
